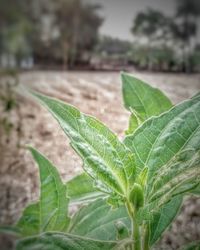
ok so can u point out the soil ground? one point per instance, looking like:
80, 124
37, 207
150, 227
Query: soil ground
95, 93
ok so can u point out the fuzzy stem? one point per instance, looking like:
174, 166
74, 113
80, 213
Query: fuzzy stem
135, 229
146, 238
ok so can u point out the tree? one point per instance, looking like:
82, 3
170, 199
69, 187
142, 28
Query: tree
187, 14
188, 9
185, 27
78, 25
51, 30
14, 29
152, 26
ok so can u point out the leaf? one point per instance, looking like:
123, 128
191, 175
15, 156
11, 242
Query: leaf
196, 190
29, 223
136, 196
192, 246
61, 241
134, 122
142, 98
50, 213
163, 218
81, 189
105, 158
10, 230
98, 221
179, 176
161, 139
169, 147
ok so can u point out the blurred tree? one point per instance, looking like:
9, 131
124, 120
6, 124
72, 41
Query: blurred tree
14, 29
187, 15
78, 25
157, 32
152, 26
185, 28
109, 45
50, 30
194, 60
188, 10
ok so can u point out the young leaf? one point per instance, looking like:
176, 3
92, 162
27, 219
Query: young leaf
81, 189
98, 221
58, 241
134, 122
141, 97
50, 213
136, 196
105, 158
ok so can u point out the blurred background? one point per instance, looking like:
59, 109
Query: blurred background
74, 50
98, 34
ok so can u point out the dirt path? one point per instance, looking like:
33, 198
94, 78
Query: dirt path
97, 94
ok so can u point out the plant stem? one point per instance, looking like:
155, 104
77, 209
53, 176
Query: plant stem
135, 229
146, 238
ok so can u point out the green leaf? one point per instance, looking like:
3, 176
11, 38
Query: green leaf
81, 189
98, 221
136, 196
50, 213
169, 146
192, 246
61, 241
162, 141
181, 175
134, 122
10, 230
196, 190
105, 158
163, 218
142, 98
29, 223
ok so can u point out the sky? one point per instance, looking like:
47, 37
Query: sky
119, 14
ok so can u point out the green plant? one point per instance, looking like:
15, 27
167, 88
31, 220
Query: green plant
131, 190
9, 104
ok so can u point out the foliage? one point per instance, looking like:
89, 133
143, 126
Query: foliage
78, 27
113, 46
167, 42
151, 24
9, 105
66, 28
131, 190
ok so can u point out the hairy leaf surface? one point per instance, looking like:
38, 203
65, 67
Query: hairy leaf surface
105, 158
163, 218
50, 213
97, 220
81, 189
169, 147
141, 97
181, 175
161, 139
60, 241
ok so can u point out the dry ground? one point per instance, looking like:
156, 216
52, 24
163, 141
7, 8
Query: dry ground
97, 94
